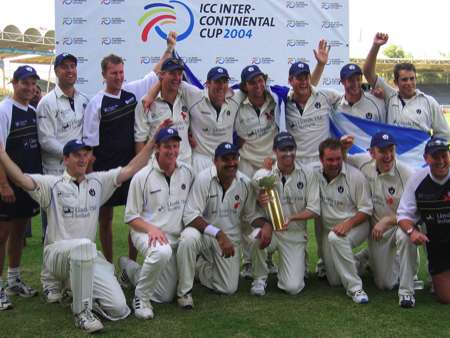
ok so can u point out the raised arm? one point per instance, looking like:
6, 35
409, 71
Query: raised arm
171, 42
321, 55
14, 173
369, 66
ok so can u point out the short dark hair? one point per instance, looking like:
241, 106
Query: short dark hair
329, 143
242, 84
403, 66
111, 58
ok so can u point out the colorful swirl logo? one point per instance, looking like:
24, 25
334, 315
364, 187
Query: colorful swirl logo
161, 14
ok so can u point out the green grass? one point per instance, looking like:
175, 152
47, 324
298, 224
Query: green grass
318, 311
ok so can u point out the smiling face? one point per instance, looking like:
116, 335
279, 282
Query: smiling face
331, 162
167, 153
438, 162
76, 162
66, 72
227, 166
285, 158
301, 84
256, 87
217, 90
406, 83
352, 86
114, 77
384, 157
24, 89
171, 80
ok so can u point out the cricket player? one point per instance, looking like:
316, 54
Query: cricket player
72, 202
109, 128
297, 186
210, 244
154, 212
345, 206
392, 255
19, 135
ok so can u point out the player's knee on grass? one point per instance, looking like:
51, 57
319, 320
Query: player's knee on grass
292, 286
117, 308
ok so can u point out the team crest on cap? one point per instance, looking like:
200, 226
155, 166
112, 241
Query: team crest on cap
29, 69
227, 146
170, 131
385, 137
219, 70
251, 69
301, 65
340, 189
351, 67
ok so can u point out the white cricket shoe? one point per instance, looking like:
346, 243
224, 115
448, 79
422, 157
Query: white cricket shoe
359, 297
407, 301
87, 322
19, 288
123, 278
52, 295
5, 303
186, 302
142, 309
258, 287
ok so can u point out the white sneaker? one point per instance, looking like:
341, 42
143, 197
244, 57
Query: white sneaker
123, 278
186, 302
52, 295
142, 309
87, 322
258, 287
407, 301
5, 303
359, 297
247, 271
19, 288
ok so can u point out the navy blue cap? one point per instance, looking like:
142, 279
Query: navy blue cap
436, 144
74, 145
24, 72
250, 72
350, 69
382, 140
217, 73
64, 56
299, 68
283, 140
166, 134
225, 148
171, 64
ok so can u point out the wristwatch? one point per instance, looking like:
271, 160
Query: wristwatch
410, 231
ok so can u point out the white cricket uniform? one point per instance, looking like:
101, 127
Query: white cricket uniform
69, 247
152, 198
311, 125
57, 124
368, 107
208, 128
224, 210
299, 192
340, 199
147, 122
387, 189
258, 131
421, 112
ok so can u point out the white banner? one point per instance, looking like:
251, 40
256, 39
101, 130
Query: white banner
272, 34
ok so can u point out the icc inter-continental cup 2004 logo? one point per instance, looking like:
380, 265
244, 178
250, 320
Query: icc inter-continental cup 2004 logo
159, 14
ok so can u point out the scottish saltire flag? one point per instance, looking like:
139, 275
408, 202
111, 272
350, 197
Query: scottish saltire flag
410, 142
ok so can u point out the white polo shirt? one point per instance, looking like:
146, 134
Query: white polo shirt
57, 124
72, 209
158, 202
344, 196
224, 210
311, 126
299, 192
367, 107
386, 188
258, 132
419, 112
147, 122
208, 129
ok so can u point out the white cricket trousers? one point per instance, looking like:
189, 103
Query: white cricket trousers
393, 259
156, 280
91, 276
340, 262
291, 247
214, 271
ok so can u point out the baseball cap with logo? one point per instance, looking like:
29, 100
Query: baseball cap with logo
283, 140
166, 134
436, 144
349, 70
171, 64
24, 72
64, 56
225, 148
382, 140
250, 72
74, 145
217, 73
299, 68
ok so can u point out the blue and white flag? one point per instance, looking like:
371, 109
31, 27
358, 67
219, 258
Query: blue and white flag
410, 142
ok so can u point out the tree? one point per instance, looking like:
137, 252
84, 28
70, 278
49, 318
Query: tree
396, 52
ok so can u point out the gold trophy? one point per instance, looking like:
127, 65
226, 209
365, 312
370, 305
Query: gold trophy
274, 208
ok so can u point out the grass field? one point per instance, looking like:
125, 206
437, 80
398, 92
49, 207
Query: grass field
318, 311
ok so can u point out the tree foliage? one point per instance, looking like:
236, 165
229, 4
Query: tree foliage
396, 52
